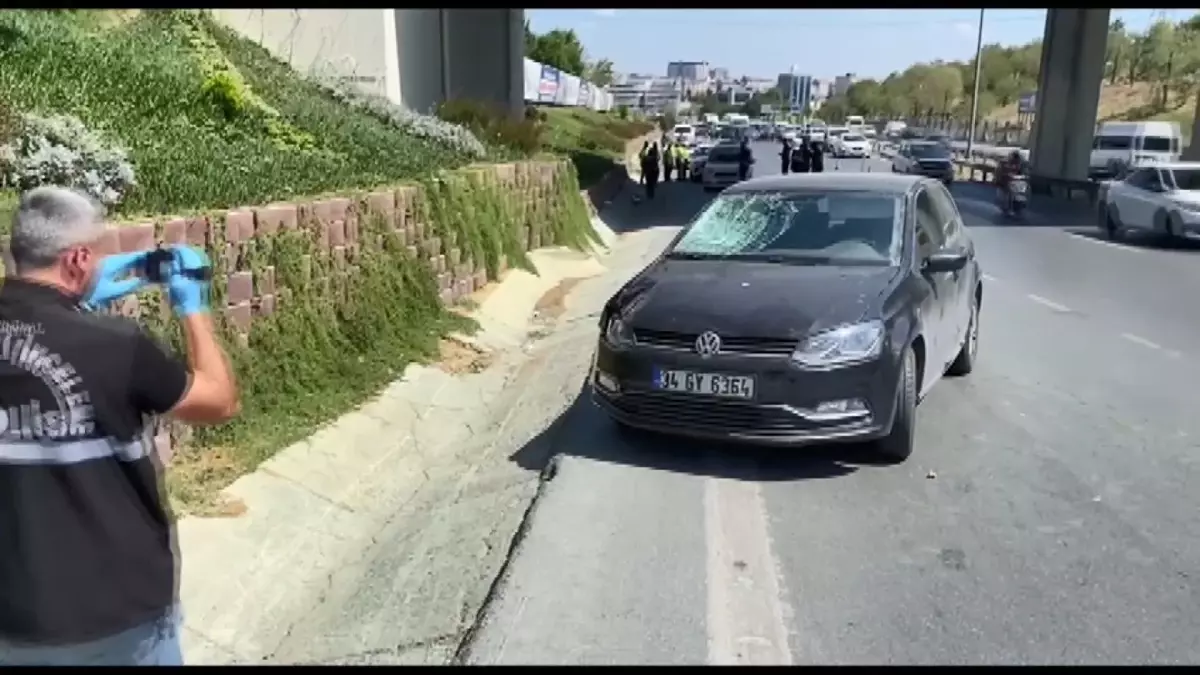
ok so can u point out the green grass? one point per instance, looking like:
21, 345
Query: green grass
139, 79
594, 141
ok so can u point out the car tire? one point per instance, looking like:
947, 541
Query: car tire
897, 446
1113, 229
1174, 226
964, 363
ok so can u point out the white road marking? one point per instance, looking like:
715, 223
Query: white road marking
745, 611
988, 277
1048, 303
1104, 242
1139, 340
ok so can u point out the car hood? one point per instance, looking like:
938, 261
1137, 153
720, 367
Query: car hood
751, 299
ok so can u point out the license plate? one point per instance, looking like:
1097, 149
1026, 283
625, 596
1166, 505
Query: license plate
704, 384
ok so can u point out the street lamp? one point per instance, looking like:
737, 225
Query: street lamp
975, 95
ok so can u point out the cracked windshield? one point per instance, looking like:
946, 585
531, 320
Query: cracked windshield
599, 337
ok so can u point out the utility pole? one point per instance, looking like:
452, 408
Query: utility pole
975, 95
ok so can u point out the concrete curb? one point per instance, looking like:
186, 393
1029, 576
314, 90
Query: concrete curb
315, 509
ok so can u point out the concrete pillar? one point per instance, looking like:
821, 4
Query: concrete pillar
1192, 154
1068, 92
461, 54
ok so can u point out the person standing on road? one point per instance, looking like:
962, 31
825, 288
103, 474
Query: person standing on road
817, 159
745, 159
683, 157
650, 170
803, 155
785, 157
88, 575
642, 162
668, 160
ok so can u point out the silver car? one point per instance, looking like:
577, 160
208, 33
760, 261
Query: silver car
721, 167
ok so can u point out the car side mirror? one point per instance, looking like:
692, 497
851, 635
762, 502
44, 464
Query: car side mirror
945, 261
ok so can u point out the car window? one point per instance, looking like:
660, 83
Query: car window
853, 138
930, 151
1145, 179
1112, 143
929, 231
1156, 144
947, 213
1186, 179
815, 227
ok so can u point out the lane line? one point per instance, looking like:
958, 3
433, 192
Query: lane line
988, 277
1139, 340
745, 611
1103, 242
1048, 303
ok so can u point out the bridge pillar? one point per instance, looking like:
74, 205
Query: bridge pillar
461, 54
1068, 92
1192, 154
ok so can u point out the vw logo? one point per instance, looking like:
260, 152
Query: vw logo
708, 344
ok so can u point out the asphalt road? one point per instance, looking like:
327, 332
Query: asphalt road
1047, 515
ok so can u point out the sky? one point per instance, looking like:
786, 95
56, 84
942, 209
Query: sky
819, 42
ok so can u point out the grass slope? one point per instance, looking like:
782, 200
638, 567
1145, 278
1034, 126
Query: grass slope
139, 78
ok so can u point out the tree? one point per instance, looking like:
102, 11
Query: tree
559, 49
1116, 50
599, 73
752, 107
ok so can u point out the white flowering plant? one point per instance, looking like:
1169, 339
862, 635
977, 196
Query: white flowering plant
415, 124
60, 150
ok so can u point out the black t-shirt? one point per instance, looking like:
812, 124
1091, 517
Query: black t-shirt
86, 537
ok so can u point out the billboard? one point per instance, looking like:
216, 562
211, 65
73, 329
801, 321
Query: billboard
585, 94
533, 77
568, 89
548, 85
1027, 104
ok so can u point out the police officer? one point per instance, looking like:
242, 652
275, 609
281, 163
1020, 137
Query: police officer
87, 572
785, 157
683, 157
745, 158
818, 156
642, 161
668, 160
802, 155
650, 170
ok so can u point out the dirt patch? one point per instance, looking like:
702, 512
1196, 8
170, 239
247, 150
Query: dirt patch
195, 478
459, 357
552, 304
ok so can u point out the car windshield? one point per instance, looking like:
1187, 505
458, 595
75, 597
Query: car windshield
821, 228
723, 155
929, 151
853, 138
700, 151
683, 130
1187, 179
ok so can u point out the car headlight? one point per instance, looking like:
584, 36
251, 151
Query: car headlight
618, 333
841, 346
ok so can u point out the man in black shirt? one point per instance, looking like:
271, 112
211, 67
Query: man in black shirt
87, 570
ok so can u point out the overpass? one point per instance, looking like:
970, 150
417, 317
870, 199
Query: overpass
1068, 94
416, 57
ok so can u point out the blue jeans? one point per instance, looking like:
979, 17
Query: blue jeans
151, 644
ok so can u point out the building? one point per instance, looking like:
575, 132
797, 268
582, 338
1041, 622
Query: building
720, 75
691, 71
841, 84
648, 93
796, 91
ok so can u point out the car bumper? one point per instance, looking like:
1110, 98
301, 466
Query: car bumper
783, 411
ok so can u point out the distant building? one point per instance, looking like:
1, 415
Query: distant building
796, 91
649, 93
720, 75
841, 84
692, 71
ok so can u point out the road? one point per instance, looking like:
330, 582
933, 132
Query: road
1047, 515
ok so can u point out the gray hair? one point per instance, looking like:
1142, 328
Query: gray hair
50, 220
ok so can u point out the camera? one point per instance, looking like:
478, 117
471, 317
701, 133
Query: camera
158, 265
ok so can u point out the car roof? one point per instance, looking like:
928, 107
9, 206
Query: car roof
1173, 166
884, 183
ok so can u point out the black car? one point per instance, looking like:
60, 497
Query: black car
794, 310
925, 158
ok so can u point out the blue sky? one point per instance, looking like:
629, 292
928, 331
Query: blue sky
819, 42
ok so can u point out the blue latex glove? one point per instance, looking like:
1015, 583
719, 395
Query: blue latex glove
188, 296
108, 284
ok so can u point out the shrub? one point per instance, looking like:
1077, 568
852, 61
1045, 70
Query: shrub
623, 112
598, 138
494, 125
60, 150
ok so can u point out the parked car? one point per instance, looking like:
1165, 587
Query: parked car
1162, 198
683, 133
851, 145
721, 167
797, 309
924, 158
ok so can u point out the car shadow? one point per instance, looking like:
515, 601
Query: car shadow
585, 431
675, 203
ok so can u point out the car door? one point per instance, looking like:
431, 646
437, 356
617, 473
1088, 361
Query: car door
1136, 200
955, 239
939, 334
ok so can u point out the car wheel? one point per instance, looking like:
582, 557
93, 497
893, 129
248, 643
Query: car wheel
964, 363
1174, 226
898, 444
1112, 224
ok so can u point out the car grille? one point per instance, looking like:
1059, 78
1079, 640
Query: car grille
934, 165
708, 414
729, 345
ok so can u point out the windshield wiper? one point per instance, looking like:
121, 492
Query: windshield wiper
689, 255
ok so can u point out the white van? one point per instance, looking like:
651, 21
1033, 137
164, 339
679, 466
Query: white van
683, 133
1119, 145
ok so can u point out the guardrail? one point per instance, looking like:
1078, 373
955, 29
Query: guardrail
546, 85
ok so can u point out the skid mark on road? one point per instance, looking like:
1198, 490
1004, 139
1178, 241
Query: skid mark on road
1083, 236
1149, 344
746, 625
1048, 303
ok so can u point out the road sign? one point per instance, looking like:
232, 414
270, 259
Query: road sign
1027, 104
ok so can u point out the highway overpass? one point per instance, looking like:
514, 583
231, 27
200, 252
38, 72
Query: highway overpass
416, 57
